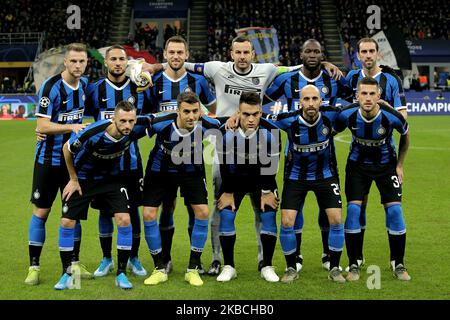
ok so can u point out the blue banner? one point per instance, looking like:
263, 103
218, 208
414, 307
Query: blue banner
265, 43
417, 103
18, 52
161, 9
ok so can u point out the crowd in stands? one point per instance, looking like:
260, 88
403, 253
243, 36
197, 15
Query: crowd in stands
294, 20
418, 20
51, 17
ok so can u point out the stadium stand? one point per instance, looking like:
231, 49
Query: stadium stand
426, 19
295, 21
20, 16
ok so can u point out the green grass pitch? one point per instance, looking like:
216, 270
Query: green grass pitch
426, 210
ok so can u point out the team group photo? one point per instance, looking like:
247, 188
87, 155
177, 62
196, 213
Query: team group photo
225, 150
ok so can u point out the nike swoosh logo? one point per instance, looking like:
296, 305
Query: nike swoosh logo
105, 99
65, 102
355, 128
399, 194
297, 90
161, 92
298, 135
339, 201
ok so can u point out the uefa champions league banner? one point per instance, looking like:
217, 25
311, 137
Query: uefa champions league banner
417, 103
264, 41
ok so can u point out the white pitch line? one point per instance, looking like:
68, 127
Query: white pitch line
341, 138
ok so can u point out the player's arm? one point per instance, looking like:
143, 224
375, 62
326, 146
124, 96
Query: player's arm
45, 126
402, 150
269, 172
73, 185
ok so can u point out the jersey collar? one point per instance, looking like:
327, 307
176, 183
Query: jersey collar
115, 87
306, 123
172, 80
371, 120
362, 73
308, 79
243, 74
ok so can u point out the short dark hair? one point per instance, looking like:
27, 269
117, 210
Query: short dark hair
115, 46
177, 39
313, 41
125, 106
368, 81
77, 47
251, 98
366, 40
187, 97
241, 39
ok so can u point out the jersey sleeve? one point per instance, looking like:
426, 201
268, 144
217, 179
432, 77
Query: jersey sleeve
400, 124
206, 96
276, 89
282, 120
340, 122
77, 141
398, 94
208, 69
47, 100
91, 103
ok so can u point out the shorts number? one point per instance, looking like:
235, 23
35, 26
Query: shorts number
141, 184
124, 190
336, 189
395, 182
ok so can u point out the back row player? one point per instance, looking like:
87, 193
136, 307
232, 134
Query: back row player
59, 113
103, 96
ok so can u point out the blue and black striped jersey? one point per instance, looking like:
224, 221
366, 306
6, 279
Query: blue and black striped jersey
104, 95
62, 104
102, 98
372, 141
390, 84
164, 92
97, 155
291, 83
311, 152
176, 151
250, 158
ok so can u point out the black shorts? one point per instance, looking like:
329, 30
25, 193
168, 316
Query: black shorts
46, 182
112, 194
326, 191
253, 192
159, 186
359, 177
134, 182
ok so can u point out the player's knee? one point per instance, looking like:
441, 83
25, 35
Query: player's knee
122, 219
41, 213
334, 216
287, 221
149, 213
395, 223
68, 223
352, 219
269, 223
201, 211
226, 226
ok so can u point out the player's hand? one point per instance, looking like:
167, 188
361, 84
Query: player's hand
226, 200
71, 187
384, 102
40, 136
150, 68
77, 127
269, 199
400, 174
232, 122
332, 70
